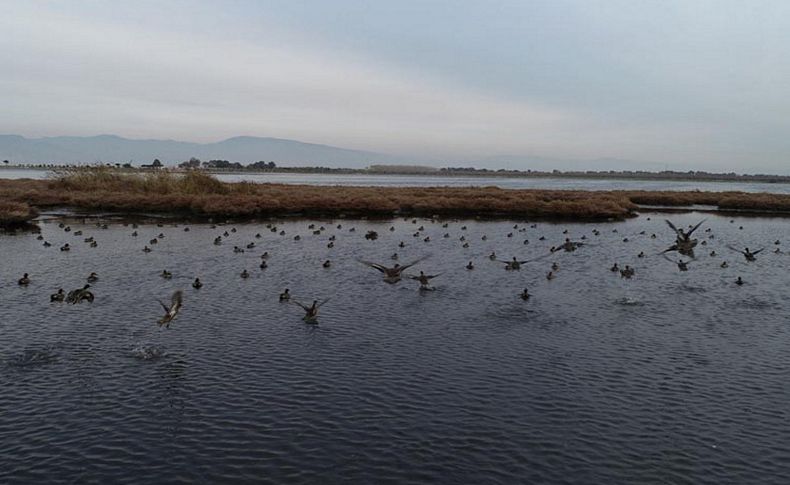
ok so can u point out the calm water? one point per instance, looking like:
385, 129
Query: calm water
438, 181
669, 377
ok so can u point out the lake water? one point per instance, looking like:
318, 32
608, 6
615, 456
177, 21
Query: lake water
670, 377
437, 181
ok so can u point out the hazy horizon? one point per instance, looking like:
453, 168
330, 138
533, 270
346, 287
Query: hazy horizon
694, 85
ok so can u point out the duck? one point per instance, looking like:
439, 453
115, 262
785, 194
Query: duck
724, 265
245, 274
550, 275
197, 284
311, 312
285, 295
57, 297
146, 249
93, 278
171, 311
166, 274
327, 264
24, 280
525, 294
79, 295
391, 274
739, 281
470, 265
65, 247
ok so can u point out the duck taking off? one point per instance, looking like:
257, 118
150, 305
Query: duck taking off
749, 255
171, 312
393, 274
424, 280
682, 265
683, 242
311, 311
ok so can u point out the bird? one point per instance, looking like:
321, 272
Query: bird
311, 312
392, 274
245, 274
57, 297
424, 279
166, 274
24, 280
525, 294
749, 255
470, 265
285, 295
93, 278
171, 312
79, 295
197, 284
327, 264
682, 265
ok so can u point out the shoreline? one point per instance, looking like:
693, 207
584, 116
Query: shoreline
199, 196
702, 177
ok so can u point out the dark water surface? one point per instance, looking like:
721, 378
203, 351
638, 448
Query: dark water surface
670, 377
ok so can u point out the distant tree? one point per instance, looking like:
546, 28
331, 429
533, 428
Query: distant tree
191, 163
127, 165
5, 162
157, 163
272, 165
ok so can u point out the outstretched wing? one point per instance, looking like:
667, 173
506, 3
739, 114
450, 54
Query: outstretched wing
167, 309
669, 223
305, 307
735, 249
758, 251
322, 303
413, 263
695, 228
177, 298
544, 256
430, 277
379, 267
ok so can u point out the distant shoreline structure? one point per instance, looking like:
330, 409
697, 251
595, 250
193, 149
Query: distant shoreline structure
225, 167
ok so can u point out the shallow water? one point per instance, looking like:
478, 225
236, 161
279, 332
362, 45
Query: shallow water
669, 377
363, 180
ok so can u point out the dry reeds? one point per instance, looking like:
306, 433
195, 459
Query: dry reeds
196, 193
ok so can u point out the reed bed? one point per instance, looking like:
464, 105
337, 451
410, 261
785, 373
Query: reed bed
198, 194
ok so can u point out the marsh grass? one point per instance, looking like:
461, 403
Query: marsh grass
199, 194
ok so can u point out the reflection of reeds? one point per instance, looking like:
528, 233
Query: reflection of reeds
199, 194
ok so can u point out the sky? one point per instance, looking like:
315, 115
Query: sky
686, 84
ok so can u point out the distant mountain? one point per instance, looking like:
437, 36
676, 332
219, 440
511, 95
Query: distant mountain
244, 149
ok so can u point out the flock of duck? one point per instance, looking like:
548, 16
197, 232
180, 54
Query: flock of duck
684, 245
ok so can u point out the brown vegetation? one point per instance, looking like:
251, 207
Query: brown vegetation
196, 193
15, 213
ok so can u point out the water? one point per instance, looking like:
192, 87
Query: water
666, 378
444, 181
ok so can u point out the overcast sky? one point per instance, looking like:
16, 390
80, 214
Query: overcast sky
696, 84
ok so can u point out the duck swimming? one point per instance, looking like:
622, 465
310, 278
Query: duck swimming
79, 295
166, 274
327, 264
57, 297
197, 284
285, 295
525, 294
93, 278
470, 265
171, 312
24, 280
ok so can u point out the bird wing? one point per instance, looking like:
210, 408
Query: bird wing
379, 267
735, 249
758, 251
695, 227
305, 307
430, 277
673, 227
544, 256
177, 298
322, 303
668, 258
412, 263
167, 309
